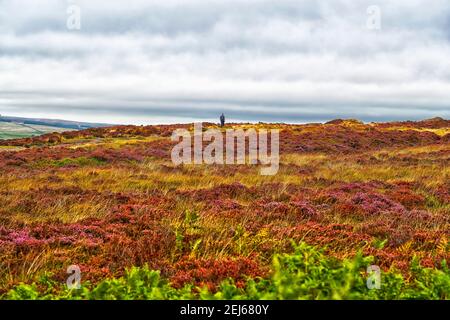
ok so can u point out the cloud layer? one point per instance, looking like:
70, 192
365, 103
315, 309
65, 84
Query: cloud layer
141, 61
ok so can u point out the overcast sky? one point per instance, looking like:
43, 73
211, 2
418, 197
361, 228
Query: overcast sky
165, 61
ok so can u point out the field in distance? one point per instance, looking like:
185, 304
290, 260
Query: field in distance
18, 127
10, 130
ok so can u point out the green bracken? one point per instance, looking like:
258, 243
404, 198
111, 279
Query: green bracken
307, 273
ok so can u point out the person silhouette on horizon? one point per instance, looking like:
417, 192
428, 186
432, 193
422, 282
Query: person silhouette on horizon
222, 120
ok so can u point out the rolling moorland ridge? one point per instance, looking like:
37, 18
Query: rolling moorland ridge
109, 200
18, 127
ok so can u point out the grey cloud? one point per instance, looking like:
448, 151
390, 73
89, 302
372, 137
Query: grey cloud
255, 60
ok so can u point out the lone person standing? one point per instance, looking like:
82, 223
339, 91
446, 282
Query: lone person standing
222, 120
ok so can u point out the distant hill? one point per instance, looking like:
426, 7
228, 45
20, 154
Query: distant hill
54, 123
17, 127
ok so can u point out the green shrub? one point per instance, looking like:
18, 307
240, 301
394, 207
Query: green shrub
78, 162
307, 273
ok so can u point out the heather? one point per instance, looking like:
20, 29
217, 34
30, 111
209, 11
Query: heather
110, 201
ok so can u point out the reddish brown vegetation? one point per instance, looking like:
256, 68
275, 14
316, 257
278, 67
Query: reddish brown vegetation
232, 227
